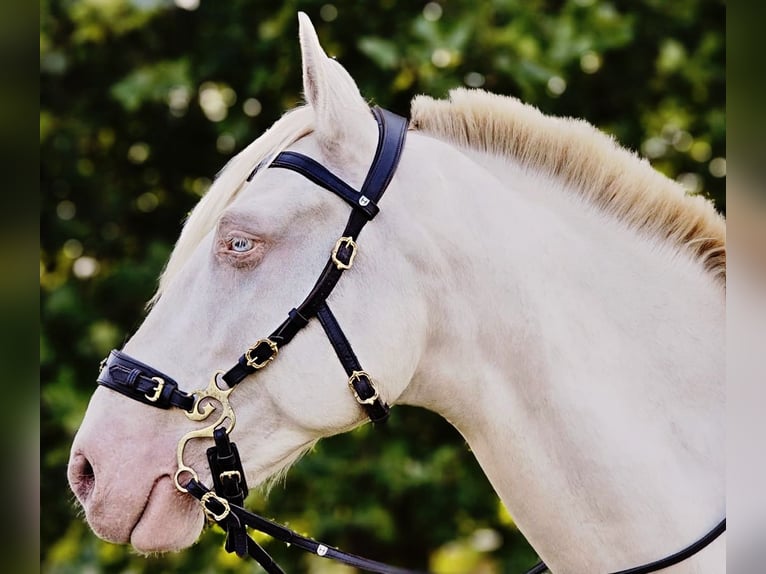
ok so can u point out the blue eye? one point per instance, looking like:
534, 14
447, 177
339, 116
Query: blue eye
241, 244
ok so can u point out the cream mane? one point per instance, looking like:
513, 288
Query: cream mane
590, 162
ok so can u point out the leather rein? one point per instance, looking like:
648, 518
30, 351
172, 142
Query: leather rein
224, 503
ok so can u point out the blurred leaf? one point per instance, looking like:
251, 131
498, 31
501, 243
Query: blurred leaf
383, 52
152, 83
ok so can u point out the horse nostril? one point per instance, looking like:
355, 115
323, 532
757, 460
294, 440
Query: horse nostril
82, 478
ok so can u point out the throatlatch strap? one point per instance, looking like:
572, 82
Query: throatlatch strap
360, 381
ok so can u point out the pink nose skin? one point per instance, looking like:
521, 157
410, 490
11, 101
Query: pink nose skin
81, 477
121, 470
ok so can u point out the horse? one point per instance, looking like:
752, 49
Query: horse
543, 289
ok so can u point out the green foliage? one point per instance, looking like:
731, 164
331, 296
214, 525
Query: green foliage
143, 102
153, 83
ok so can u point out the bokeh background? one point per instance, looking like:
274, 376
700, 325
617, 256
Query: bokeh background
143, 101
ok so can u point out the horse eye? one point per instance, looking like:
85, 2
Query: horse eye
241, 244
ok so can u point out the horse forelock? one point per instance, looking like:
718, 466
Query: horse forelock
589, 162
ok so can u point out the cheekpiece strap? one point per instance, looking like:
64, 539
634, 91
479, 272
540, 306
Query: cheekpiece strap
142, 383
392, 132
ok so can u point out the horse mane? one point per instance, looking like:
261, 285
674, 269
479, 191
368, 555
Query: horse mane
292, 126
590, 162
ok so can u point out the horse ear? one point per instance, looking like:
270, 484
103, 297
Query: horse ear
330, 90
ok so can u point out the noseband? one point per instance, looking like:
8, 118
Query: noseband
224, 503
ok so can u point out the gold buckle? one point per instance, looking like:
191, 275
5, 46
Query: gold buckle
231, 474
157, 389
251, 362
357, 375
348, 241
225, 503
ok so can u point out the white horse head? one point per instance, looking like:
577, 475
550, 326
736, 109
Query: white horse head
548, 293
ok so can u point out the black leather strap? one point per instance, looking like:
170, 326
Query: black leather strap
316, 172
663, 563
364, 389
538, 568
681, 555
141, 382
392, 132
226, 468
261, 556
229, 482
284, 534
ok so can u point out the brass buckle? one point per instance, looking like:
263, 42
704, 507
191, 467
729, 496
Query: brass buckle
348, 241
251, 362
356, 376
157, 389
225, 503
235, 474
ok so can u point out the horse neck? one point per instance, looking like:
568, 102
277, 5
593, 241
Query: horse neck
582, 363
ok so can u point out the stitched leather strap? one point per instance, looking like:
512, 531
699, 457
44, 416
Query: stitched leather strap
392, 132
284, 534
229, 482
364, 389
141, 382
226, 468
321, 176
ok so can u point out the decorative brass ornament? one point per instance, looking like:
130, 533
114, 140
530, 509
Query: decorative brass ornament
206, 402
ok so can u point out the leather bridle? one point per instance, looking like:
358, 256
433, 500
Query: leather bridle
224, 503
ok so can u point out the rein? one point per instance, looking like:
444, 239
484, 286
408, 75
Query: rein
224, 503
